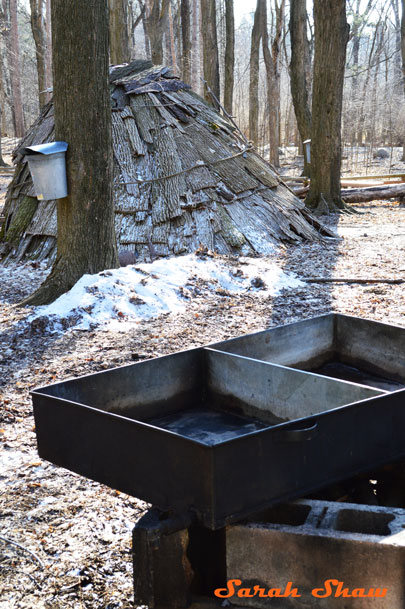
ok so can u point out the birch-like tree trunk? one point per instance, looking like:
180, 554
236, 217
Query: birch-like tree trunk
229, 66
85, 233
331, 36
210, 50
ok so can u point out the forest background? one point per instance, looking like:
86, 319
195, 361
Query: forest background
223, 43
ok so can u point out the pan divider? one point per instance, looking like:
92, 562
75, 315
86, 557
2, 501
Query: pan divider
275, 393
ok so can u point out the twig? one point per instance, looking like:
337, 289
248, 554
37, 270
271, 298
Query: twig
14, 543
228, 116
350, 280
32, 578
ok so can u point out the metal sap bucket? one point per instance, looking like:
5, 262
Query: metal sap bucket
47, 165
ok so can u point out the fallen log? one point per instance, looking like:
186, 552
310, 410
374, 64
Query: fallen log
299, 192
363, 195
351, 280
6, 170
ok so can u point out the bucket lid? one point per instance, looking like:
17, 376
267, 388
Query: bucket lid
50, 148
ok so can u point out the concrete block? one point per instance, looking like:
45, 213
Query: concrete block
320, 555
162, 571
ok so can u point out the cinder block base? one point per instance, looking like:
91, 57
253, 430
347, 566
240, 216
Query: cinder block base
333, 554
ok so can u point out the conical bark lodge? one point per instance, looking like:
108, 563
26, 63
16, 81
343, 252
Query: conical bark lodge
183, 177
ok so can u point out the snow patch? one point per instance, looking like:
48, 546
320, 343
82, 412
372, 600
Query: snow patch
115, 298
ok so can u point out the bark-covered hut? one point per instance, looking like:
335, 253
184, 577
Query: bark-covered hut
184, 177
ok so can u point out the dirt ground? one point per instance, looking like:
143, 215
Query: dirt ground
75, 535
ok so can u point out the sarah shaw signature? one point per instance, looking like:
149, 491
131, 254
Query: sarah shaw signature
331, 587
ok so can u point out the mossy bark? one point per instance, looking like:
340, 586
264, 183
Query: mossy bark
20, 221
85, 236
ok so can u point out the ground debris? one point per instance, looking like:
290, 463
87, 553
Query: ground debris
81, 530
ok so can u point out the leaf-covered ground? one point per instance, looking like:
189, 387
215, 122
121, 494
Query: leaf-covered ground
76, 534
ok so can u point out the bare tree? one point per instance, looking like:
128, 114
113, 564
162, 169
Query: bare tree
331, 36
134, 21
186, 41
403, 43
195, 46
271, 61
2, 92
2, 161
254, 73
86, 237
229, 66
299, 70
40, 35
10, 12
155, 22
48, 63
171, 59
210, 49
403, 61
119, 39
397, 57
360, 16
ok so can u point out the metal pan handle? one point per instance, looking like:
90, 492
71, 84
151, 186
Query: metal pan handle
297, 435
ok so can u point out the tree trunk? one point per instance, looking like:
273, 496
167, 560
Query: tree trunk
271, 61
5, 83
2, 161
397, 64
186, 41
171, 47
119, 39
148, 52
229, 56
403, 61
15, 71
2, 97
254, 74
403, 44
210, 50
48, 63
373, 59
39, 32
355, 36
85, 234
195, 72
331, 36
155, 21
299, 68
